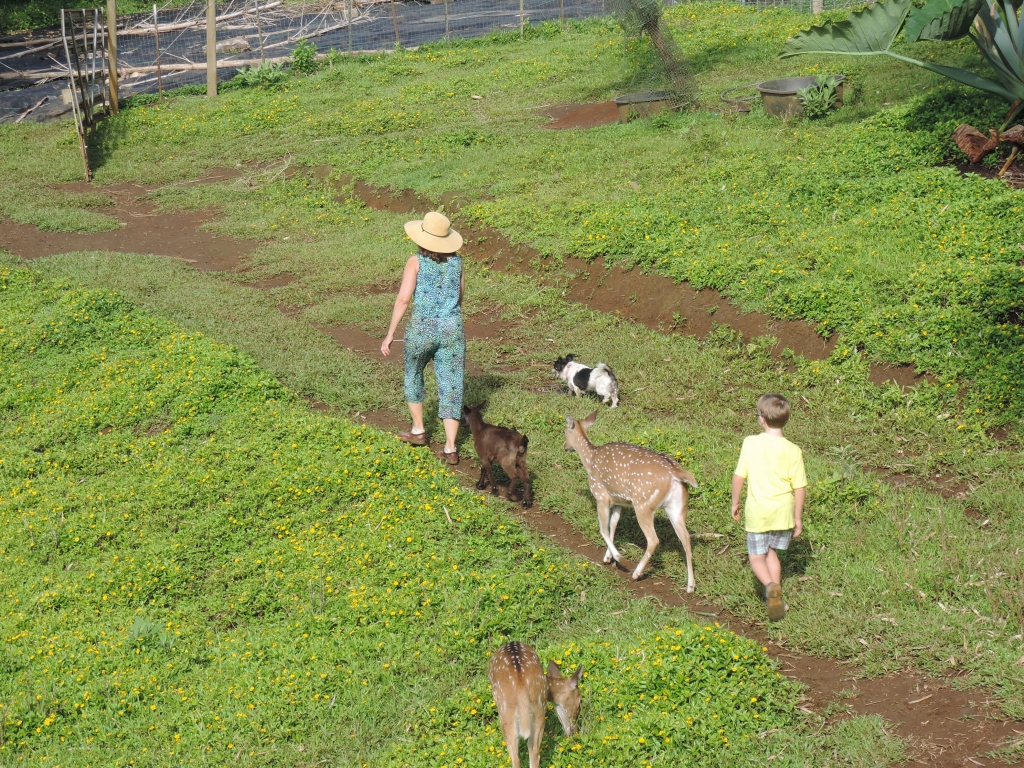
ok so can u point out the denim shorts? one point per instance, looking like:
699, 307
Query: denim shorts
759, 543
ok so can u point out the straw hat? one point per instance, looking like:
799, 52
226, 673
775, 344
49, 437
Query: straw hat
434, 232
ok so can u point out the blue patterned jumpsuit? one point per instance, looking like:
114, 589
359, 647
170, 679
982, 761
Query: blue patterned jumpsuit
435, 332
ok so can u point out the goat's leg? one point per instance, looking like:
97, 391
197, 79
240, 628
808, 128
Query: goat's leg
603, 504
675, 508
524, 476
645, 517
482, 482
508, 463
612, 524
490, 475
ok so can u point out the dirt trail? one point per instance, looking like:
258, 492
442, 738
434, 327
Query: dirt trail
653, 300
943, 727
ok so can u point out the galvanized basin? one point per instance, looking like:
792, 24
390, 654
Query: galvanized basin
779, 96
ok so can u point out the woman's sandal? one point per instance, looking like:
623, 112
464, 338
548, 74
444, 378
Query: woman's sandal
450, 458
413, 438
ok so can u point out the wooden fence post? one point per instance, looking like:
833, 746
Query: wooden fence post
817, 6
211, 48
112, 53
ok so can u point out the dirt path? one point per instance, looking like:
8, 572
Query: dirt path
942, 726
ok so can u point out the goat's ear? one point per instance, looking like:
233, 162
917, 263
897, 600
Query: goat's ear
575, 679
588, 422
570, 358
553, 670
570, 422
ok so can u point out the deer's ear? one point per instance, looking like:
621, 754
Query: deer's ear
589, 421
570, 422
576, 676
553, 670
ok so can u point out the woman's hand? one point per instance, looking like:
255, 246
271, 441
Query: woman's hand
385, 347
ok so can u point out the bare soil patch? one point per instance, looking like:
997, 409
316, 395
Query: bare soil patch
143, 230
581, 116
1014, 175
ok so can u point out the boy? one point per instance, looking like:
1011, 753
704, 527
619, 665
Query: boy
777, 486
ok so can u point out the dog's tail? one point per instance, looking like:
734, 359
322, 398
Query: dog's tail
522, 446
606, 369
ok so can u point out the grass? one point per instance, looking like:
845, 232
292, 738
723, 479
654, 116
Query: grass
920, 579
337, 603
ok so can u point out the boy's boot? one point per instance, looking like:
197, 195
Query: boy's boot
773, 599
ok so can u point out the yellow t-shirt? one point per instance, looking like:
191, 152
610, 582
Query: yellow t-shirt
773, 468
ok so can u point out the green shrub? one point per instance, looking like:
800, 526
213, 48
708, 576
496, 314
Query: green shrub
263, 76
304, 58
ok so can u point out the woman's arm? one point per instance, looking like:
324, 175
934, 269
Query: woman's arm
412, 268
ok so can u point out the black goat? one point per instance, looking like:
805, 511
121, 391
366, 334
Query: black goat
503, 445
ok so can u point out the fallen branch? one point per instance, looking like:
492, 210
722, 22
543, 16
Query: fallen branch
32, 109
27, 51
197, 22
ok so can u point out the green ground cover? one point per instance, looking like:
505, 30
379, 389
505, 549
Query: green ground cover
920, 579
196, 569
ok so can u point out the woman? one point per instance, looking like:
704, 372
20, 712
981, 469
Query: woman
434, 282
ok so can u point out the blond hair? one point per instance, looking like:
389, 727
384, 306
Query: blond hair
774, 409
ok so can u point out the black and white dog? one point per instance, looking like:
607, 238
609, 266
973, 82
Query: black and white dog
580, 379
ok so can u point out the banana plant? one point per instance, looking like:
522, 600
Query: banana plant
997, 28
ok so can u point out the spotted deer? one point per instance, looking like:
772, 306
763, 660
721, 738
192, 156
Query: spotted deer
522, 692
624, 474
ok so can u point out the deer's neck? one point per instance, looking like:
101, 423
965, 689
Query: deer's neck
587, 451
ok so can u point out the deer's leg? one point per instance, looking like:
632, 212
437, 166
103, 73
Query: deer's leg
645, 517
537, 712
482, 482
508, 727
613, 522
603, 505
675, 508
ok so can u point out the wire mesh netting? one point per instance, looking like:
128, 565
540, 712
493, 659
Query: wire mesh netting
166, 47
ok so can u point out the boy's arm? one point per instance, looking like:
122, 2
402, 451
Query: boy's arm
737, 490
798, 510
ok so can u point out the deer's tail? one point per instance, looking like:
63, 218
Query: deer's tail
686, 478
523, 445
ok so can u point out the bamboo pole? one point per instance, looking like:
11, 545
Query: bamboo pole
211, 48
112, 53
259, 32
394, 18
156, 33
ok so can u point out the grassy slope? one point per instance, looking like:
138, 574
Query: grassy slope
195, 569
847, 223
700, 402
